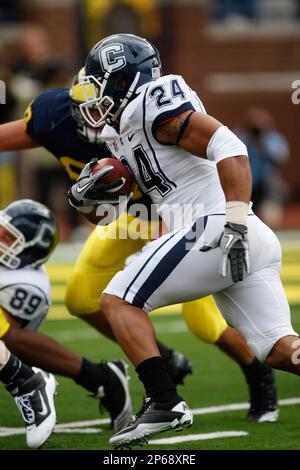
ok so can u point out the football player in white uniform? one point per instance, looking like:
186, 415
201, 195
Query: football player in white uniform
53, 120
33, 391
181, 156
28, 235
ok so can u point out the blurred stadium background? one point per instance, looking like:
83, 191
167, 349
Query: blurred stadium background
242, 57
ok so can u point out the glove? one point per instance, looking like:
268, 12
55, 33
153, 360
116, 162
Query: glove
89, 191
234, 246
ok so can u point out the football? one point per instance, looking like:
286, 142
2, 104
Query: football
102, 214
119, 171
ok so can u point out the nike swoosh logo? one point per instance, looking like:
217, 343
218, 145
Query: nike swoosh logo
44, 406
130, 137
82, 188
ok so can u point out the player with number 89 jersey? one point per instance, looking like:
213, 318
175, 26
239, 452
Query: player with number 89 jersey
28, 235
26, 295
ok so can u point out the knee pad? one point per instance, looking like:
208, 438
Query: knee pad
204, 319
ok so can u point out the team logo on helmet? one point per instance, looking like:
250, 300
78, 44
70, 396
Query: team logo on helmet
116, 68
28, 234
112, 57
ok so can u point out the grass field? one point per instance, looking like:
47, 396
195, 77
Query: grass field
216, 381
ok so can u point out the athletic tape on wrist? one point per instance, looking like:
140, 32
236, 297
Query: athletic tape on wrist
236, 212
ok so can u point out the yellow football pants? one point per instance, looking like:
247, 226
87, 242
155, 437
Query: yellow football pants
101, 259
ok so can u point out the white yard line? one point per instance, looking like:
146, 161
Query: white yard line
198, 437
11, 431
74, 430
85, 426
240, 406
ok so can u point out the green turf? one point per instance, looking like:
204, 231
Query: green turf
216, 380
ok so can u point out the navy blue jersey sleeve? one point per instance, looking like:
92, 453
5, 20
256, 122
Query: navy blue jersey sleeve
40, 114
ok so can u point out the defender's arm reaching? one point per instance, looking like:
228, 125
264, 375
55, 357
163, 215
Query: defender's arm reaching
13, 136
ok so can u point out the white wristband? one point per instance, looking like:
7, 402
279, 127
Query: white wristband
236, 212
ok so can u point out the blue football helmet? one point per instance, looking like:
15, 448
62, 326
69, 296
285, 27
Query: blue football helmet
28, 234
115, 69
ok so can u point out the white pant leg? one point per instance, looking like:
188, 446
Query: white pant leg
166, 273
258, 308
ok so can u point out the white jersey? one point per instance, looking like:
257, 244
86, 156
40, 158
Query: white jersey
25, 293
167, 173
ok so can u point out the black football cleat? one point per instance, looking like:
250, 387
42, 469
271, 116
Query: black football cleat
178, 367
115, 397
263, 399
153, 419
35, 401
